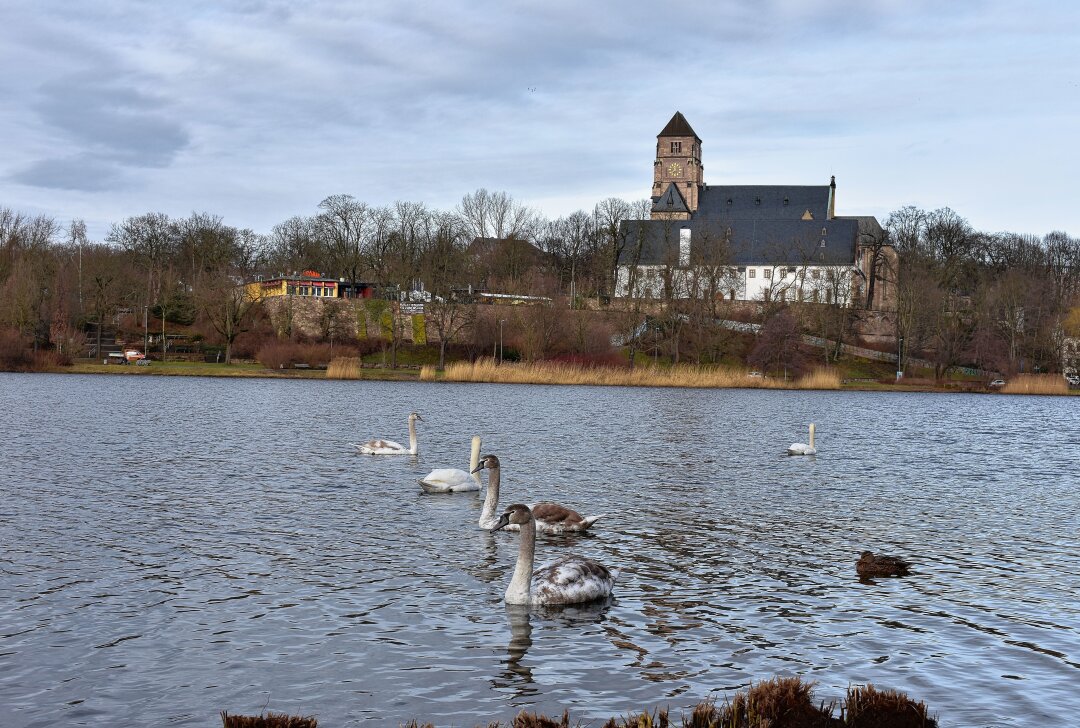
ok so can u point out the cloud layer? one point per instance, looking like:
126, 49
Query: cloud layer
256, 110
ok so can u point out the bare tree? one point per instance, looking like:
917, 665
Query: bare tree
496, 215
444, 268
340, 230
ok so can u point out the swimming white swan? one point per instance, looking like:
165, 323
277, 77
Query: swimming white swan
798, 448
549, 517
389, 447
568, 580
454, 480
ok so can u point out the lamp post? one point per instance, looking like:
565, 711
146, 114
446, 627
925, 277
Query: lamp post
501, 322
899, 357
145, 330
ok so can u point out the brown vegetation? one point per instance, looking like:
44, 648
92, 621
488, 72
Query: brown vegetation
267, 720
782, 702
548, 372
287, 354
1036, 384
345, 368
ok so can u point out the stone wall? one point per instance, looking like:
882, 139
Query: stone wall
357, 318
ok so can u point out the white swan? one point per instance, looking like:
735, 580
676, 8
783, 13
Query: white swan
568, 580
389, 447
454, 480
549, 517
798, 448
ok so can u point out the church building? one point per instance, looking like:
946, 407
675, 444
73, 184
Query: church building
747, 242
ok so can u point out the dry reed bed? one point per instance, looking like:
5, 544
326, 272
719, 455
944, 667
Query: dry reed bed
1036, 384
486, 370
344, 368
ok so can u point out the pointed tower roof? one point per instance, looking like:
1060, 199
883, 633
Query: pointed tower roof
670, 201
678, 126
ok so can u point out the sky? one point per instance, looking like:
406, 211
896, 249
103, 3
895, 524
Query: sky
256, 110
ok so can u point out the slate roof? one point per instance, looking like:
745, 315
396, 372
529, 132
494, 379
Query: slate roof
752, 241
763, 202
671, 201
678, 127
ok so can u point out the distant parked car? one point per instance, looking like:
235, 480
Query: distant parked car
133, 355
997, 383
1073, 380
754, 374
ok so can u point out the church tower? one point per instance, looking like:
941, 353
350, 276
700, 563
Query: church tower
677, 171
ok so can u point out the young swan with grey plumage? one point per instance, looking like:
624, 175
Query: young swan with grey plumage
568, 580
550, 518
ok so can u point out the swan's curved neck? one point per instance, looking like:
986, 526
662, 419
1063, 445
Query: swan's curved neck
412, 437
491, 499
521, 581
811, 434
474, 459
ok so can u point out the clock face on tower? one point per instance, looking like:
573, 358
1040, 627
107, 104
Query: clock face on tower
674, 169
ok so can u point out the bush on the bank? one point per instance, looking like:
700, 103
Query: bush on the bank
15, 353
287, 354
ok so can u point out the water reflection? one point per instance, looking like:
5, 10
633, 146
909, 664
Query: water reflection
178, 560
558, 624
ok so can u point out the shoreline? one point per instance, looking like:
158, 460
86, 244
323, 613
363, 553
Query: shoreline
250, 371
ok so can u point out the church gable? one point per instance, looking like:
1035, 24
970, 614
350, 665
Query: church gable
671, 201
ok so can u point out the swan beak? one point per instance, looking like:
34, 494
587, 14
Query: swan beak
504, 521
477, 469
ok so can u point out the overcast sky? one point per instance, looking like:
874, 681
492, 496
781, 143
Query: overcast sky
258, 109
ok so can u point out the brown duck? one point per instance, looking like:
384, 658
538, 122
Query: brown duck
871, 564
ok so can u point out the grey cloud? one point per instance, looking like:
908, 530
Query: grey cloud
83, 172
112, 121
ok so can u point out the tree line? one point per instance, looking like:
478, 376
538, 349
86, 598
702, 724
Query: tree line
1000, 301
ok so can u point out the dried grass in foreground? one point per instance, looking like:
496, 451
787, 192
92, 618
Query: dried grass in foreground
267, 720
1036, 384
344, 368
486, 370
783, 702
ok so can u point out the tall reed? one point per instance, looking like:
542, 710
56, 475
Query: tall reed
819, 379
1036, 384
344, 368
427, 373
486, 370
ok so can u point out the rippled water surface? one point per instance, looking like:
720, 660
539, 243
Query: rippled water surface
174, 547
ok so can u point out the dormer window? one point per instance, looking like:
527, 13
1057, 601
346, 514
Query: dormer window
786, 202
757, 200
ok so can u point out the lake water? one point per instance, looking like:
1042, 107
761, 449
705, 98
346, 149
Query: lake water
174, 547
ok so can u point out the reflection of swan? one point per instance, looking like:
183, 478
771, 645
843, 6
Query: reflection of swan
549, 517
389, 447
798, 448
871, 564
568, 580
520, 641
454, 480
